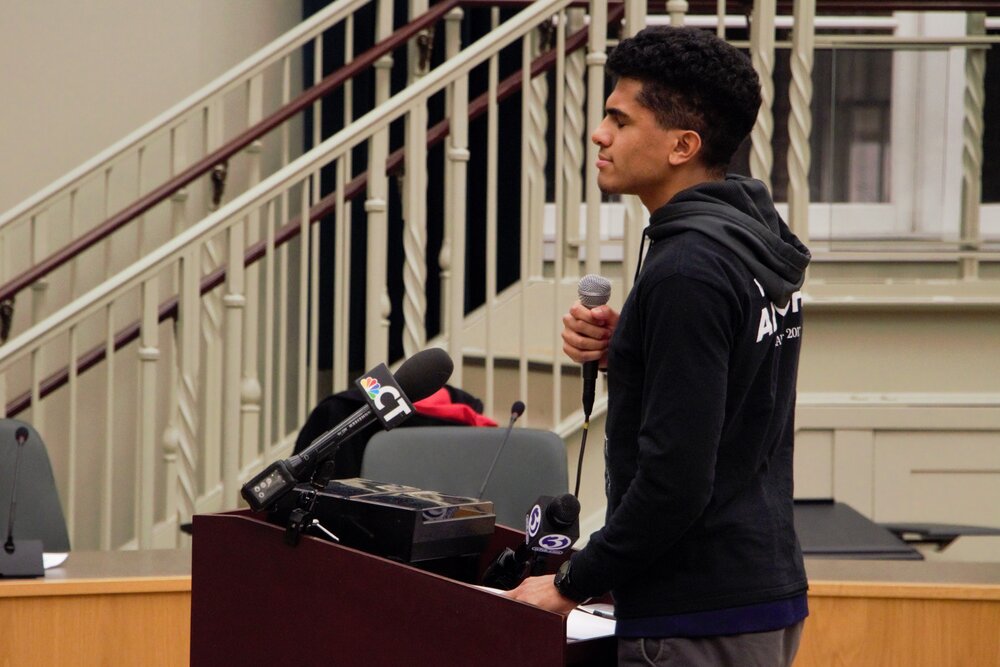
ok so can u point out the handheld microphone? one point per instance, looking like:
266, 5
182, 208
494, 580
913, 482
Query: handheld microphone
593, 291
22, 558
389, 401
552, 526
516, 410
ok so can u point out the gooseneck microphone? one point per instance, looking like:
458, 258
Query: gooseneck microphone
516, 410
418, 377
19, 558
21, 436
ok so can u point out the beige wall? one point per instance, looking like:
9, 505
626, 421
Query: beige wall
78, 76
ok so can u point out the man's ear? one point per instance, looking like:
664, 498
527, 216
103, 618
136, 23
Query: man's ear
687, 145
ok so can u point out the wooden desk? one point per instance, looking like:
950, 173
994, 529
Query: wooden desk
906, 613
100, 608
134, 608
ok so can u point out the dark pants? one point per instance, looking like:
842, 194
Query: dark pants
756, 649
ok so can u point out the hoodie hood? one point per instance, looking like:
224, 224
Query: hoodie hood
738, 213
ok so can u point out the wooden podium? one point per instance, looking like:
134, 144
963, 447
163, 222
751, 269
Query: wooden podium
256, 600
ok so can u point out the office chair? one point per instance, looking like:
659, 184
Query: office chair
39, 515
455, 460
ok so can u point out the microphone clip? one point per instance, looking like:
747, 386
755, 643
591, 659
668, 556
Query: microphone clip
301, 518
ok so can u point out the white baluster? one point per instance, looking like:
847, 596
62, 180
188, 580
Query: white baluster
596, 57
211, 416
149, 355
800, 117
235, 303
635, 213
492, 171
415, 232
377, 305
676, 9
762, 56
458, 155
108, 458
575, 138
250, 389
972, 145
536, 90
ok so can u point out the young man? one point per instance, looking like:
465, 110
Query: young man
698, 549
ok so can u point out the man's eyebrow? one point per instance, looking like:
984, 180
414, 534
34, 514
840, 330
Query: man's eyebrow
616, 113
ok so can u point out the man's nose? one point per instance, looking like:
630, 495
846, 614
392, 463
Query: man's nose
600, 136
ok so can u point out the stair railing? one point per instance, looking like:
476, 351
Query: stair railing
139, 289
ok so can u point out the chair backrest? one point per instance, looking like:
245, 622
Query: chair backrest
455, 460
38, 515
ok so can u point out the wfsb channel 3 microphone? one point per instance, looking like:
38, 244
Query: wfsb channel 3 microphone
389, 400
551, 527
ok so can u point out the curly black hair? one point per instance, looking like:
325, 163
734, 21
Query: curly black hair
693, 80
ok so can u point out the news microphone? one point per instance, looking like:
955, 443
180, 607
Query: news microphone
516, 410
593, 291
21, 558
551, 527
389, 400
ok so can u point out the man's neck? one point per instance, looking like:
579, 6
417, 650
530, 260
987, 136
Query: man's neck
683, 179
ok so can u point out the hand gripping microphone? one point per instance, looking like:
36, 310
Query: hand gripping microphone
552, 526
593, 291
420, 376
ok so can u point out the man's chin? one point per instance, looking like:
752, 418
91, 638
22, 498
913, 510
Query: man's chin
608, 189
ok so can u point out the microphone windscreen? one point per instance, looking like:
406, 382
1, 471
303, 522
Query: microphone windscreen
424, 373
594, 290
564, 510
517, 408
21, 434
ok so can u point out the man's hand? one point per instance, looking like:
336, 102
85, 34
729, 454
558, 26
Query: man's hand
587, 333
541, 592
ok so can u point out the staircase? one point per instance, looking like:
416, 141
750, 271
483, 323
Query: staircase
167, 368
220, 367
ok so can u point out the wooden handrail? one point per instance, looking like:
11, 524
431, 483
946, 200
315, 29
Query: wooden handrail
169, 308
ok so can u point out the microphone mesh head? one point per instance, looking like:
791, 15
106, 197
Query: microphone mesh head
564, 510
424, 373
594, 290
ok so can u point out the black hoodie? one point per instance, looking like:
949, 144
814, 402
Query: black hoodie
701, 377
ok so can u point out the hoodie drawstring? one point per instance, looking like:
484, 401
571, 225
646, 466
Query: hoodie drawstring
642, 247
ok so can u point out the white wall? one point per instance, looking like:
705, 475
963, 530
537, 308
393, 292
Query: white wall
75, 76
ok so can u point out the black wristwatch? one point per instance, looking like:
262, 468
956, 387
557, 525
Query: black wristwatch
564, 584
